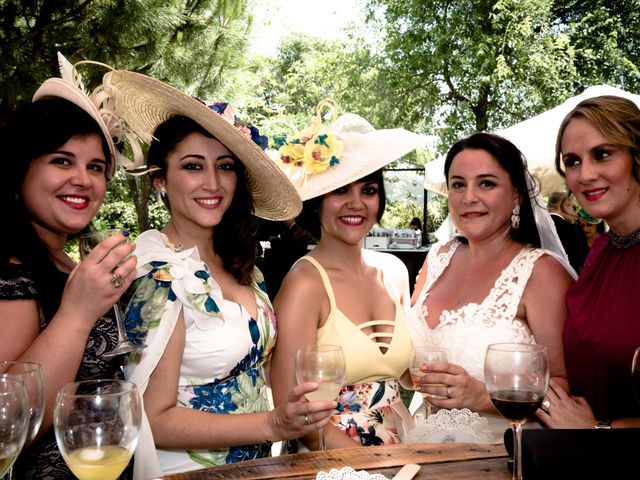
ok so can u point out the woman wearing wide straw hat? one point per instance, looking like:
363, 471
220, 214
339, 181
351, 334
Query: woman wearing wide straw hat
339, 293
199, 304
58, 154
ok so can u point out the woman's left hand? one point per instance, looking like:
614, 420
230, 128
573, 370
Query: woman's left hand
561, 410
451, 386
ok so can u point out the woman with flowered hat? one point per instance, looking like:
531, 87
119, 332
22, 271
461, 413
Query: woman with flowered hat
58, 154
199, 304
340, 293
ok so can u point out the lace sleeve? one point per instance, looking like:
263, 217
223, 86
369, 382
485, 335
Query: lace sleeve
16, 283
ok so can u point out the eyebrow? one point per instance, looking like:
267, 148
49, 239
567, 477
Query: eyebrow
481, 176
73, 155
201, 157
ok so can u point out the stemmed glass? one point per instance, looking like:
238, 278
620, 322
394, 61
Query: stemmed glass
30, 374
421, 356
324, 365
97, 423
635, 373
14, 421
516, 376
87, 242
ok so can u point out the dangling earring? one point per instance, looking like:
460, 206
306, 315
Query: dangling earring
515, 217
163, 191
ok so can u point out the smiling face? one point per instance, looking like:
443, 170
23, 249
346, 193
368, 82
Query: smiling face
481, 195
63, 190
348, 213
599, 173
200, 182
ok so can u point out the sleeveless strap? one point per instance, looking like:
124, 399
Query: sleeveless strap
325, 279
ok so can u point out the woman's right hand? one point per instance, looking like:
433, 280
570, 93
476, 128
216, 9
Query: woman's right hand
298, 417
89, 292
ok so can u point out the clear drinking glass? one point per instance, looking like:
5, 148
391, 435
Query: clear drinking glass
425, 356
30, 374
87, 242
516, 376
324, 365
14, 421
97, 423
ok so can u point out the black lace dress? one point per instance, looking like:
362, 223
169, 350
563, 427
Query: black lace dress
42, 460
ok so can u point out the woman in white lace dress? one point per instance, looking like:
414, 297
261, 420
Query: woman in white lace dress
493, 282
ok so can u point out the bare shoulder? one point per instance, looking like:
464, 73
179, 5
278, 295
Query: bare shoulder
548, 272
303, 282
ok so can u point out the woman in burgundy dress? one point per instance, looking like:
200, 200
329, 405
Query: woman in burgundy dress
598, 151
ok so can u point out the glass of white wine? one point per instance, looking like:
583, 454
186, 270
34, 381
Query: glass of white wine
421, 356
516, 376
97, 423
324, 365
29, 373
86, 243
14, 421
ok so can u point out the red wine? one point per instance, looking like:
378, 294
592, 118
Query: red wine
516, 405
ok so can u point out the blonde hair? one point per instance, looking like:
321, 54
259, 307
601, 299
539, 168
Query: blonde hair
616, 118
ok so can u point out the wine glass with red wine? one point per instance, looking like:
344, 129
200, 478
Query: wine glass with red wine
516, 376
635, 374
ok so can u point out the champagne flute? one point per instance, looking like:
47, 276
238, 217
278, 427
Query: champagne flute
425, 356
86, 243
635, 373
516, 376
29, 373
14, 421
97, 423
324, 365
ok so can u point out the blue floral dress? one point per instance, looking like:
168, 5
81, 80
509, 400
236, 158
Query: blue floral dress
225, 348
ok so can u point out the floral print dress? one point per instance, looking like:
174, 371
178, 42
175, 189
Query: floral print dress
225, 348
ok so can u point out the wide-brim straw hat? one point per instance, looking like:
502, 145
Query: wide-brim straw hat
147, 102
364, 150
74, 92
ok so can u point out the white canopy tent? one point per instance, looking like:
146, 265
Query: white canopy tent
536, 138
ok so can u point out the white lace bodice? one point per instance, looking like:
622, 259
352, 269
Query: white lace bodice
466, 332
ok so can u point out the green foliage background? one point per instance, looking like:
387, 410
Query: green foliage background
439, 67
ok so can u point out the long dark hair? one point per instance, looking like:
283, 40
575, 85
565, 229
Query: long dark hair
235, 237
309, 217
513, 162
34, 130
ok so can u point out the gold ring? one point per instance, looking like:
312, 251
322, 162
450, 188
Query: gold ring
306, 419
449, 395
117, 281
546, 406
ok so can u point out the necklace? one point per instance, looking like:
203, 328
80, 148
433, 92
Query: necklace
181, 246
624, 241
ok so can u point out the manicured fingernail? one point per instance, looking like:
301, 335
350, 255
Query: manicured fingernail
125, 233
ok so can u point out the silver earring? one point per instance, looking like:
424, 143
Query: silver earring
163, 191
515, 217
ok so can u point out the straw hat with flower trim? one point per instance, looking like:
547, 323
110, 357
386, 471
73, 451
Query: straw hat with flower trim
147, 102
322, 157
101, 104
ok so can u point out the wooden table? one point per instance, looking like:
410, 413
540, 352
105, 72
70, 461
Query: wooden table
438, 461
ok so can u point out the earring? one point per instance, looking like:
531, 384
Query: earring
163, 191
515, 217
